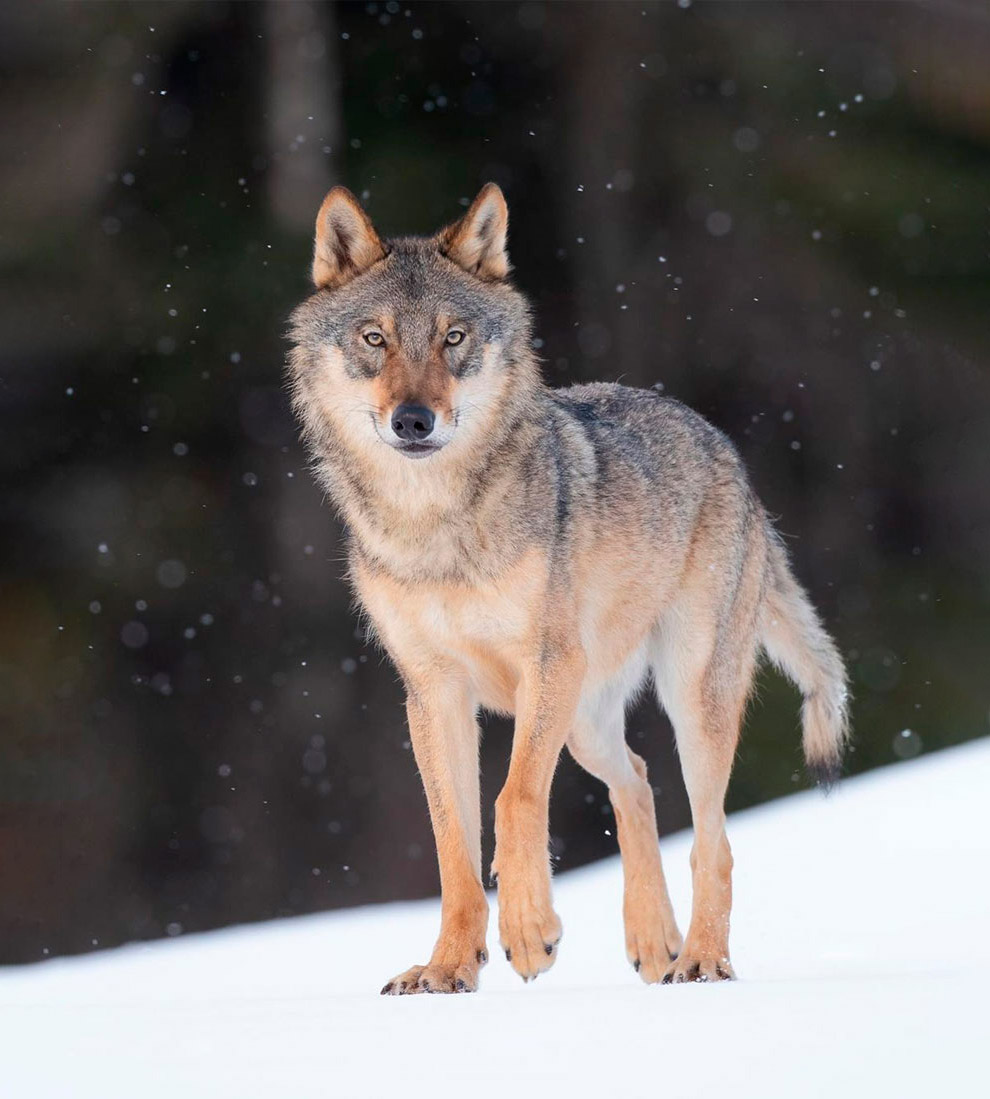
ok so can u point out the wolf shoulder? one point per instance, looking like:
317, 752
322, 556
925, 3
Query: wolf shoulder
650, 430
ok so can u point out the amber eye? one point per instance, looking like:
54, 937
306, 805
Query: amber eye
454, 337
374, 339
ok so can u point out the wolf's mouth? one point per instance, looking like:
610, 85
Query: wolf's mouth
418, 450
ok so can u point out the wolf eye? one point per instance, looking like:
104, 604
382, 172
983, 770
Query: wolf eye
374, 339
454, 337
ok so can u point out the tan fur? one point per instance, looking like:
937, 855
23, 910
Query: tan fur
477, 241
553, 551
346, 242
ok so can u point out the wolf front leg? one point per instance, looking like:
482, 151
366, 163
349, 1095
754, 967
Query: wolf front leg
444, 732
546, 703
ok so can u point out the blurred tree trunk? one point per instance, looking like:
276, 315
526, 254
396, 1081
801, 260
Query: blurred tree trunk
303, 115
600, 141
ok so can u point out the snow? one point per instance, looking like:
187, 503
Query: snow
859, 933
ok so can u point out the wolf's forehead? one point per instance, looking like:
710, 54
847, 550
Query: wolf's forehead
427, 283
416, 292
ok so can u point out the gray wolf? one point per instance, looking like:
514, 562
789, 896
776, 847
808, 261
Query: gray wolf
542, 553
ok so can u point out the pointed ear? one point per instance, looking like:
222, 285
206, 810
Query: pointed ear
477, 241
346, 242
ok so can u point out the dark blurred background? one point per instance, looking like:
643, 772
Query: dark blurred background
778, 212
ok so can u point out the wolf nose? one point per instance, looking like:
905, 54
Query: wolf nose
413, 422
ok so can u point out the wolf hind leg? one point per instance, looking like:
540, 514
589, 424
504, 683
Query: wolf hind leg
703, 683
598, 743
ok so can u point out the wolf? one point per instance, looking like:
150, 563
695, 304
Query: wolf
542, 553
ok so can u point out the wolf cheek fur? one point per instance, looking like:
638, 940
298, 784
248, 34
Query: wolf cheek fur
541, 553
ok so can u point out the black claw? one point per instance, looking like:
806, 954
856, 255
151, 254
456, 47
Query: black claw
482, 957
673, 957
426, 985
388, 988
548, 947
508, 955
636, 965
667, 979
461, 986
493, 879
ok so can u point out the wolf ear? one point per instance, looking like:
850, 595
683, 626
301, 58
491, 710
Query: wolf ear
477, 241
346, 242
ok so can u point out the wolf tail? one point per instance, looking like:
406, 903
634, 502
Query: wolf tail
796, 642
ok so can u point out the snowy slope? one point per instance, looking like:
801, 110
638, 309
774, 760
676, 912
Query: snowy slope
860, 936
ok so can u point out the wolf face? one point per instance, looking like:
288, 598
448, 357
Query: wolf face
409, 346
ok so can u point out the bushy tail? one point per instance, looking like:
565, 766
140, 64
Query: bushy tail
795, 640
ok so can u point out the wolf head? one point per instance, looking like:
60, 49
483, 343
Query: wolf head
413, 348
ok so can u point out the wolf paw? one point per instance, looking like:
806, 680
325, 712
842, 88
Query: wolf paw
529, 936
690, 966
439, 977
652, 948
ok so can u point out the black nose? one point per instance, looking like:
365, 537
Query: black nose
412, 422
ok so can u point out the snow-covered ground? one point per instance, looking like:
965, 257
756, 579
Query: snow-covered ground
859, 934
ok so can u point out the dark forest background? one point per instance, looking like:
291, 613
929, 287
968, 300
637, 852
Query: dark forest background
778, 212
